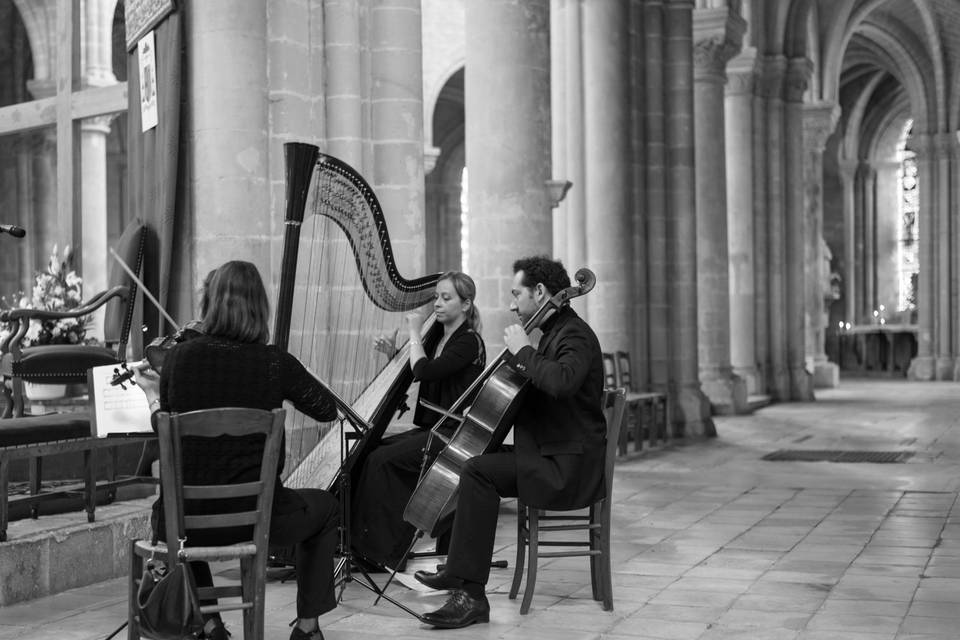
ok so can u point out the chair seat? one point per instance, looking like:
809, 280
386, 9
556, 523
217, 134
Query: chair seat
60, 363
48, 428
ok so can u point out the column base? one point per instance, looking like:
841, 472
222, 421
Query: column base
727, 393
779, 388
801, 385
751, 377
826, 375
691, 414
921, 368
945, 368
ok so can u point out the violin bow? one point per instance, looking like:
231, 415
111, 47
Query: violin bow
143, 288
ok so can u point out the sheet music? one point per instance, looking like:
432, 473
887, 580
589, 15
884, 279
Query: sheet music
115, 410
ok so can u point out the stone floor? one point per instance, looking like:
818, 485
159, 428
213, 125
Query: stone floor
710, 542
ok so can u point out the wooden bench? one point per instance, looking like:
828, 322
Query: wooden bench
33, 437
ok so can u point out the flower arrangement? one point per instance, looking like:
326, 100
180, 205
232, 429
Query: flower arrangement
55, 288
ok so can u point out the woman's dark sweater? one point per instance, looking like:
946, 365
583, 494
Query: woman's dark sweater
443, 379
209, 372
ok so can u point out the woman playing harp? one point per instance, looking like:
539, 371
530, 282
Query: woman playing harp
390, 472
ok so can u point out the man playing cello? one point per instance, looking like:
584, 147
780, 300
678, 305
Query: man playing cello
559, 441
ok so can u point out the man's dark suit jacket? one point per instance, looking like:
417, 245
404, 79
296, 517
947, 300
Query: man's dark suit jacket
559, 434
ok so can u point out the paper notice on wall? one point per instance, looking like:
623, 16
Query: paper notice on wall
148, 82
116, 410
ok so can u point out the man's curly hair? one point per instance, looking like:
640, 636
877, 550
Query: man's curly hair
544, 270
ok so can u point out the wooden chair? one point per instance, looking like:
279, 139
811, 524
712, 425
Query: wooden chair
596, 522
253, 553
640, 405
609, 371
69, 363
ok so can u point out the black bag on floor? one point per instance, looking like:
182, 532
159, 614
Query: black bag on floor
167, 603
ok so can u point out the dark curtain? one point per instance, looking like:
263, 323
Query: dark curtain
155, 175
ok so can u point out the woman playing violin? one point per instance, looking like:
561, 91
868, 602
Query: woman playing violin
390, 472
231, 365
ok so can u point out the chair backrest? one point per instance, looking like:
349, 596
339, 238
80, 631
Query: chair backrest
609, 371
624, 378
118, 317
614, 410
212, 423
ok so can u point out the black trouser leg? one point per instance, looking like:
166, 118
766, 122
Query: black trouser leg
483, 481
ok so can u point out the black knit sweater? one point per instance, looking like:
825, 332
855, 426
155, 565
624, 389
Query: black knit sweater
209, 372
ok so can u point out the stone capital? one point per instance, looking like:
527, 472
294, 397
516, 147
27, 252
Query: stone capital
742, 72
799, 72
771, 74
819, 122
717, 37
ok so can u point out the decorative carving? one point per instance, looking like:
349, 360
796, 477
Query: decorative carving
740, 83
799, 71
819, 122
710, 55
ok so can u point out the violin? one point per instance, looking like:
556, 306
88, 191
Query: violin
155, 353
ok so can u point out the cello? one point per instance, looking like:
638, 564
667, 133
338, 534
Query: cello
483, 425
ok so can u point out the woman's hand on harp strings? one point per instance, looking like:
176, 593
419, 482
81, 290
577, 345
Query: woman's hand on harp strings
386, 344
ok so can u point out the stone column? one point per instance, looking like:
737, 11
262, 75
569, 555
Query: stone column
659, 292
717, 36
923, 366
848, 174
607, 163
869, 220
507, 88
396, 108
819, 121
346, 102
97, 72
945, 216
738, 137
769, 164
227, 134
692, 408
93, 228
567, 104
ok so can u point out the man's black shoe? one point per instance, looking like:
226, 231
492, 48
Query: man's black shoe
461, 610
441, 581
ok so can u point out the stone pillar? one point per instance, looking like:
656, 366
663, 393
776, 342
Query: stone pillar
717, 35
848, 174
227, 134
567, 104
507, 89
93, 228
659, 284
607, 163
818, 124
769, 164
869, 220
692, 408
924, 366
345, 98
738, 137
97, 72
945, 216
888, 224
396, 108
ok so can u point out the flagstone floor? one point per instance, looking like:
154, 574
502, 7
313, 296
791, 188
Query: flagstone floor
710, 542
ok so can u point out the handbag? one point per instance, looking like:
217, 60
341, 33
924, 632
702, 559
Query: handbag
167, 604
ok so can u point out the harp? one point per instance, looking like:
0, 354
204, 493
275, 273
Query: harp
339, 287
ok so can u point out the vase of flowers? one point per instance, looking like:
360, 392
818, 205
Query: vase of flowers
57, 287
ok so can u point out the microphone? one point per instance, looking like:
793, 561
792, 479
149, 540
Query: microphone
15, 231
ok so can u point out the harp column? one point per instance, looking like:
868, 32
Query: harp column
228, 134
507, 88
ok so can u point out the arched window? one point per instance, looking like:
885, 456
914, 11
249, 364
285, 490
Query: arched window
908, 232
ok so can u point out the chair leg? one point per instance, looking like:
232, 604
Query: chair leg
534, 528
4, 497
90, 483
253, 593
522, 533
596, 575
136, 572
606, 582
